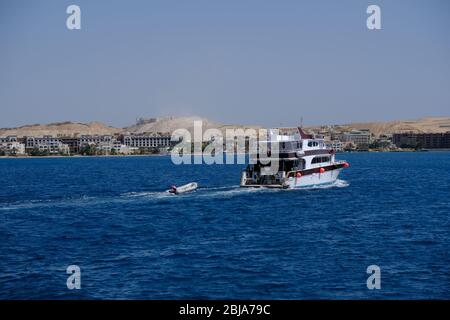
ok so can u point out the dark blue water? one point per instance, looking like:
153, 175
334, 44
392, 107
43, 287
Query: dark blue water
111, 217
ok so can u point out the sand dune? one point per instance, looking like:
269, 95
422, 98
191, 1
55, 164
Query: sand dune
424, 125
169, 124
61, 129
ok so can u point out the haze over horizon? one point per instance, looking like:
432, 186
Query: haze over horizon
241, 62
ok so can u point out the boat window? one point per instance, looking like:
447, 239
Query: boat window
320, 160
313, 144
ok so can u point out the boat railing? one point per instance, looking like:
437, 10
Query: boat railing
292, 174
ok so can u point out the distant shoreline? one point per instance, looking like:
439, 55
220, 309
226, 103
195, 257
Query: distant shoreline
165, 155
81, 156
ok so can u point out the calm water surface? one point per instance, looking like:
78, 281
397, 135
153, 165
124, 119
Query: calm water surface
112, 217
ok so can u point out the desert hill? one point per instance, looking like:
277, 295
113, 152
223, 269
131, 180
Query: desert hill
164, 125
169, 124
60, 129
424, 125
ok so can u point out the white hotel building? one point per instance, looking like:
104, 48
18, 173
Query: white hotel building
45, 144
146, 141
96, 140
11, 146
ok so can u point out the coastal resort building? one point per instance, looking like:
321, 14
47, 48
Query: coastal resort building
147, 141
360, 138
45, 144
10, 145
422, 140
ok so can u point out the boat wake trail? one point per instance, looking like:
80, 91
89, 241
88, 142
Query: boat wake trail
147, 194
228, 192
337, 184
80, 201
341, 183
150, 196
201, 192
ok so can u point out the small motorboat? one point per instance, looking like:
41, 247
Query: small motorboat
184, 188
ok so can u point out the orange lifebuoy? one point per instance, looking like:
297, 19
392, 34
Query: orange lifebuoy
322, 170
298, 175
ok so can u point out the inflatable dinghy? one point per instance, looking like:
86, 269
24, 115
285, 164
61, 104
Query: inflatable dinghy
184, 188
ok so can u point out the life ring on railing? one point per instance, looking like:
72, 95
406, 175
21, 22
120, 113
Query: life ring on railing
321, 170
298, 175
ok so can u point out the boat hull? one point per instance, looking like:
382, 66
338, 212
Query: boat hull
313, 179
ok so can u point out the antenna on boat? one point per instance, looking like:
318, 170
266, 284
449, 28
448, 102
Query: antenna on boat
301, 122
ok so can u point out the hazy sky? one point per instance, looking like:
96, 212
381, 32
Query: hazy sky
234, 61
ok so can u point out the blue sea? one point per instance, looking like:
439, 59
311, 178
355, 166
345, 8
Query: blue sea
112, 217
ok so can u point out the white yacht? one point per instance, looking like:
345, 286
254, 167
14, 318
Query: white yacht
304, 161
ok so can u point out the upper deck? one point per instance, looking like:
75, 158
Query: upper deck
293, 143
